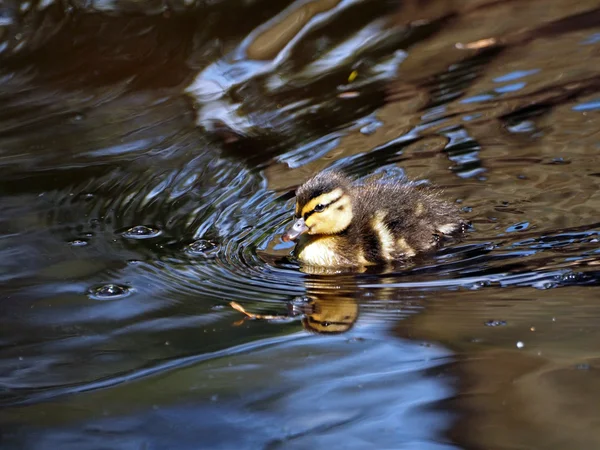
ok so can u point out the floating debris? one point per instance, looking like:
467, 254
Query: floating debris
241, 309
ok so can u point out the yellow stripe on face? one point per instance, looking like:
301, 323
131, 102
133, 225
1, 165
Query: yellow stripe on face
386, 240
323, 199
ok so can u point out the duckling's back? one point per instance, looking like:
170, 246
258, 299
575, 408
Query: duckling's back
396, 220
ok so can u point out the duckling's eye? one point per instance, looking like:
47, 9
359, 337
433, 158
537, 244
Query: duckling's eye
319, 208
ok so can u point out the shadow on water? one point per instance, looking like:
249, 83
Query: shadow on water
148, 156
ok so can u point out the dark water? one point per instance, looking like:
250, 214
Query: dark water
148, 155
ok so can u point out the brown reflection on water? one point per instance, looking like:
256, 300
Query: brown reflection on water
542, 395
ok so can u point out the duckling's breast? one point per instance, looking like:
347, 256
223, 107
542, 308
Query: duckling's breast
320, 251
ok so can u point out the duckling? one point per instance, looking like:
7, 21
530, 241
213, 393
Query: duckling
342, 223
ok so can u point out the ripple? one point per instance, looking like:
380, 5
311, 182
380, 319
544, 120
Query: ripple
109, 292
203, 247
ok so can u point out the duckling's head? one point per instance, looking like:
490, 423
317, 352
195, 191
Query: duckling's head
323, 206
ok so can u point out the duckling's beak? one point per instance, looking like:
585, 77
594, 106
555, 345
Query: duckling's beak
294, 231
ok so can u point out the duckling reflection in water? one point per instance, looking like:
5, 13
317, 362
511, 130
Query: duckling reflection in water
319, 315
342, 223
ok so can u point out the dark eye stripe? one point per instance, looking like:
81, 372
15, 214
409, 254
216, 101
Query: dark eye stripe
310, 213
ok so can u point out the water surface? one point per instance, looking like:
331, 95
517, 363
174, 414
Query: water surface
148, 157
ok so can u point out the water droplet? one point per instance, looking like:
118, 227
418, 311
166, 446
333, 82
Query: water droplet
520, 344
466, 209
495, 323
109, 292
78, 243
141, 232
202, 247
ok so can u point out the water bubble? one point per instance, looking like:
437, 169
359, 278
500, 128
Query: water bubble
520, 344
78, 243
583, 366
141, 232
109, 292
495, 323
466, 209
202, 247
